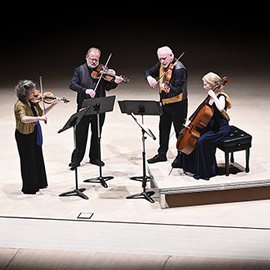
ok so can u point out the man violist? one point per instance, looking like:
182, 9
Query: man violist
173, 97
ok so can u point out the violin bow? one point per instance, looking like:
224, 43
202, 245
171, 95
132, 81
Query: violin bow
41, 91
173, 66
107, 62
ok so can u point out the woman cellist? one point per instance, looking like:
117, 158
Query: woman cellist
28, 136
202, 161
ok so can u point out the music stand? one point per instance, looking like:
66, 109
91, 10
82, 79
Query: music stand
73, 121
141, 107
97, 106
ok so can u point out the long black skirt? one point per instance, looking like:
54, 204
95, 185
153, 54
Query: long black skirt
202, 161
32, 163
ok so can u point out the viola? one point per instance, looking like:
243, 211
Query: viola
168, 74
168, 77
48, 97
189, 135
106, 73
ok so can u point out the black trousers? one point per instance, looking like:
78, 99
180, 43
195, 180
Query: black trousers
32, 163
174, 113
82, 134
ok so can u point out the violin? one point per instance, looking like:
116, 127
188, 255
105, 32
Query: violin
189, 135
107, 73
48, 97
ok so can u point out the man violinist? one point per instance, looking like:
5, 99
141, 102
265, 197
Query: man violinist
84, 85
173, 97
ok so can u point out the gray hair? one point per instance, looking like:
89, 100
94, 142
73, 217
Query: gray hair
23, 88
166, 49
93, 49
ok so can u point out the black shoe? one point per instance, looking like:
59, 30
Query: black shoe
73, 165
97, 162
157, 158
176, 162
29, 192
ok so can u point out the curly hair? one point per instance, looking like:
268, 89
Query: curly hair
23, 88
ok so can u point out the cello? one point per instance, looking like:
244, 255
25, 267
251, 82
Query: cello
189, 135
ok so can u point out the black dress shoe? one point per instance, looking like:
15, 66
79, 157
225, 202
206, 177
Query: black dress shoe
74, 165
157, 158
97, 162
176, 163
29, 192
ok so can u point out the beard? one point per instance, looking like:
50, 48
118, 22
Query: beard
91, 65
165, 65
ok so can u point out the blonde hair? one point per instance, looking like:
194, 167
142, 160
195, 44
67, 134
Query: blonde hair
212, 78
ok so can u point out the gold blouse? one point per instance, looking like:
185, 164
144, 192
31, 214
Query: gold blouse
22, 109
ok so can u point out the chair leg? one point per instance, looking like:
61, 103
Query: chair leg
227, 163
247, 160
232, 157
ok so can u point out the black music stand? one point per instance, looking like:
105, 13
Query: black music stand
141, 107
97, 106
73, 121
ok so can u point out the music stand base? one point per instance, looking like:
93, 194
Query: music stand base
75, 192
101, 179
140, 178
143, 195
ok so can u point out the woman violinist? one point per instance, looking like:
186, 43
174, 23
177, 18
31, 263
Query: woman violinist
202, 161
28, 136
